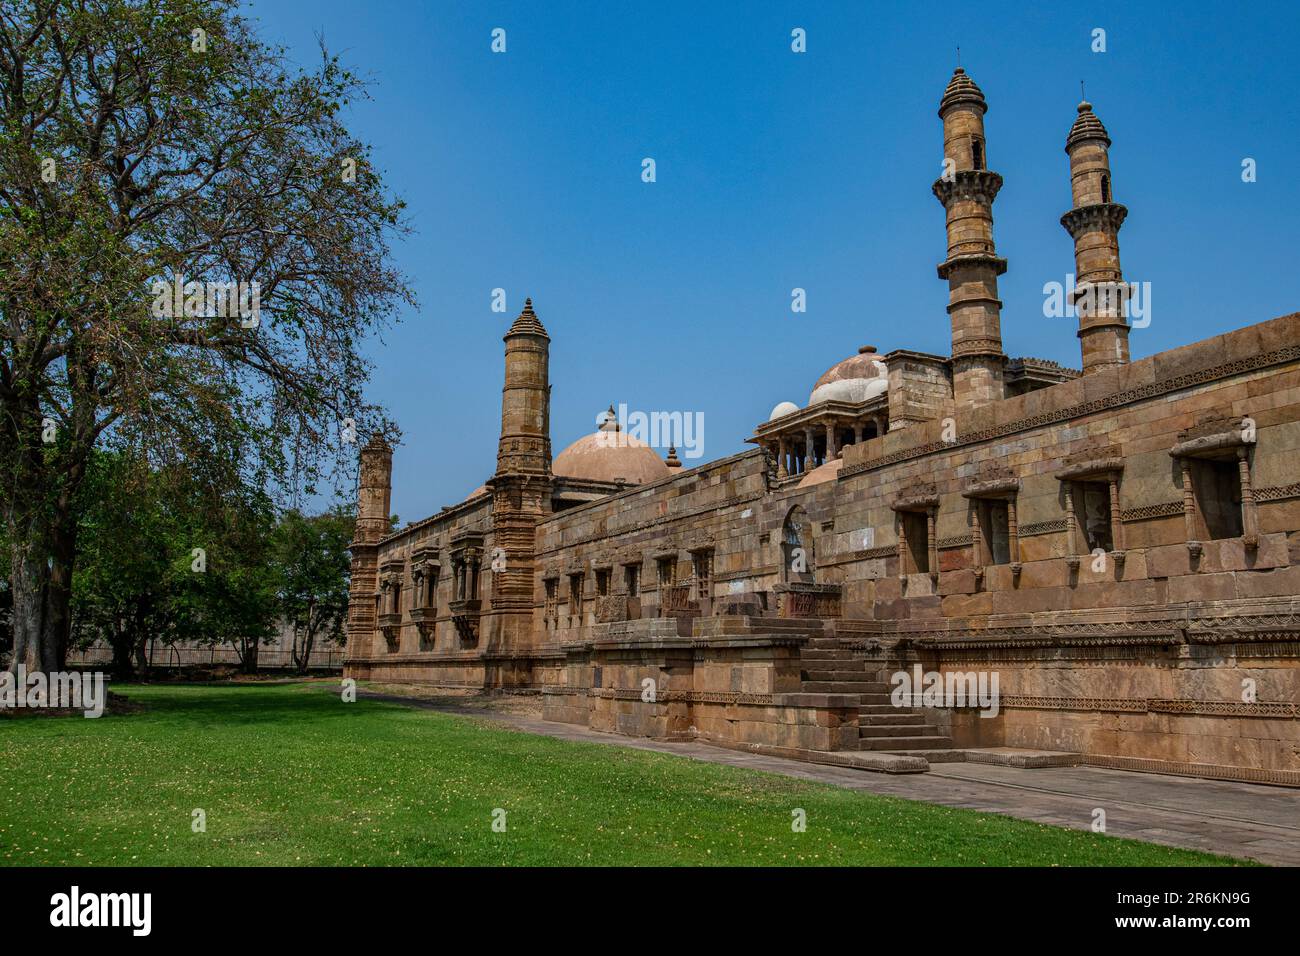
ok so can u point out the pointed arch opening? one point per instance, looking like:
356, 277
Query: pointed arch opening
798, 550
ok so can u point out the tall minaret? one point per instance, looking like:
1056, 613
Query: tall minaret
374, 495
1100, 293
525, 445
967, 189
521, 487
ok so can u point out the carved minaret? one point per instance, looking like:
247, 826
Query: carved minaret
967, 189
1100, 293
374, 495
521, 487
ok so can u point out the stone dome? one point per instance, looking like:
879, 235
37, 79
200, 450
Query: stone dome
480, 490
609, 454
856, 379
822, 473
781, 410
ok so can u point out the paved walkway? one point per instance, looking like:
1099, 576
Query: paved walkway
1234, 819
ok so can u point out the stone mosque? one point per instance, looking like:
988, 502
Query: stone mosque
1117, 546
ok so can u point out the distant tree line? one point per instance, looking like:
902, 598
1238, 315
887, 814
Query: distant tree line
166, 559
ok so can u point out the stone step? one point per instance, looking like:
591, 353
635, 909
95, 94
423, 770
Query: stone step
834, 657
893, 717
843, 673
932, 755
836, 687
877, 707
898, 730
895, 744
875, 697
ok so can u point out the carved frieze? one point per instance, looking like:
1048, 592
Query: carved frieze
1177, 383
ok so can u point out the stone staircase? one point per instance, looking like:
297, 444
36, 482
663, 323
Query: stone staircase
828, 668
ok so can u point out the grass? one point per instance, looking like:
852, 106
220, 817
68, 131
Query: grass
291, 775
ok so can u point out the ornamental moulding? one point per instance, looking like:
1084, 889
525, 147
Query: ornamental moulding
1280, 356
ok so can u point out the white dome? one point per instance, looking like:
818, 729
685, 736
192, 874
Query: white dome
856, 379
785, 408
849, 390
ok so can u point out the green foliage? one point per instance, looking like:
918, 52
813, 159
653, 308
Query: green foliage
313, 571
165, 558
223, 579
292, 776
139, 578
123, 580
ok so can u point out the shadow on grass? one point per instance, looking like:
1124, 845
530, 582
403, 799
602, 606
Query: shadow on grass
246, 703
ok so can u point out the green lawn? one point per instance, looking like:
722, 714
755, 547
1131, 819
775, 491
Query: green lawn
292, 775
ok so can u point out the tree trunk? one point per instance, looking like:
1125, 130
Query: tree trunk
41, 521
308, 642
140, 647
309, 639
29, 581
57, 625
123, 649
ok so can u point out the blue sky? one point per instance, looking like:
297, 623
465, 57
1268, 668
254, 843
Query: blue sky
778, 170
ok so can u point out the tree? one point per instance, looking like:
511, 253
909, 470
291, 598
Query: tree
162, 557
121, 590
223, 582
157, 160
313, 571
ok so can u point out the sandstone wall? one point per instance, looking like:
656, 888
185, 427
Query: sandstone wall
1157, 656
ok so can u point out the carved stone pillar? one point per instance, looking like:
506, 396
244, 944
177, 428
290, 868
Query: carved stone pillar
1189, 506
810, 449
1116, 523
932, 540
781, 469
899, 525
832, 446
1249, 517
857, 433
1013, 534
1071, 523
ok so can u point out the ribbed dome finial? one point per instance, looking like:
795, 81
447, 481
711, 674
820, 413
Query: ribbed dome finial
528, 323
962, 89
1086, 126
610, 424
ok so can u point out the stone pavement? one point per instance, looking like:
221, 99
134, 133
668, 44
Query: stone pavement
1234, 819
